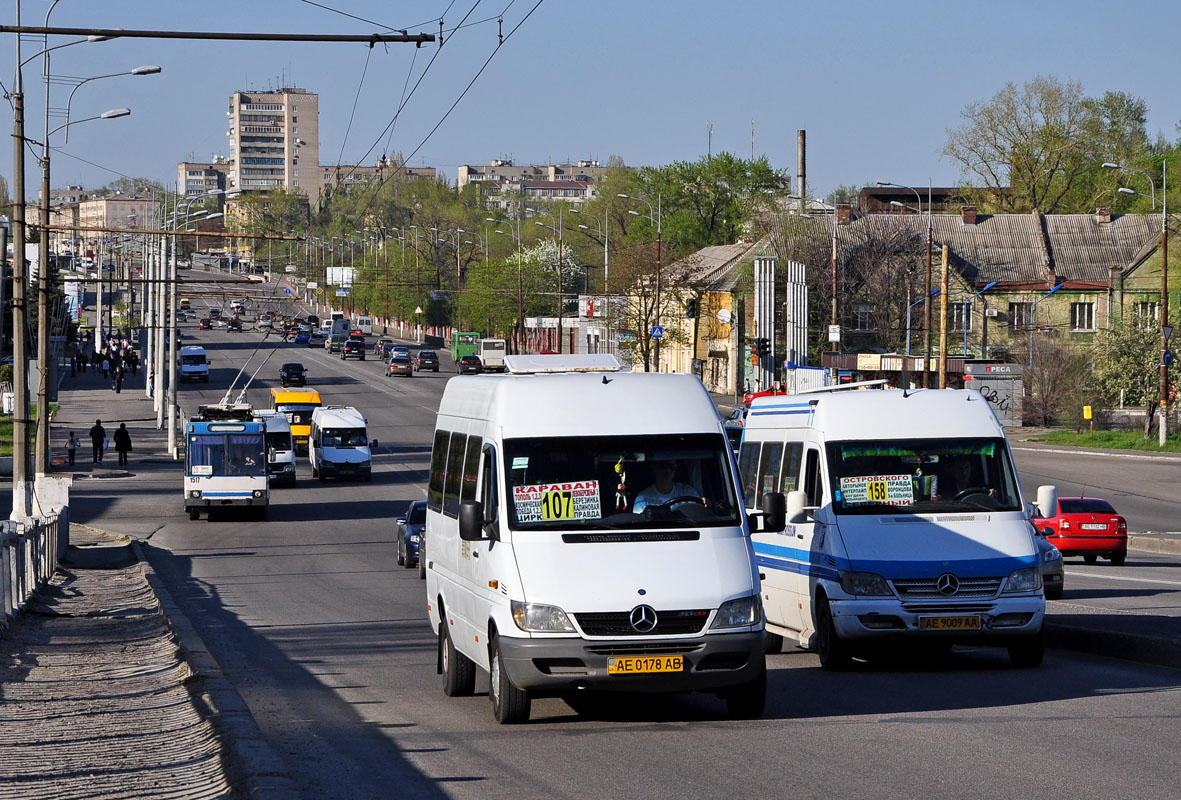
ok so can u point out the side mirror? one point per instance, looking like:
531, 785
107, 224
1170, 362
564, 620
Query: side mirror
774, 512
271, 454
1047, 501
796, 501
315, 444
471, 520
373, 445
400, 520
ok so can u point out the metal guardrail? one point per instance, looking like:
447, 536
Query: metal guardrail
28, 558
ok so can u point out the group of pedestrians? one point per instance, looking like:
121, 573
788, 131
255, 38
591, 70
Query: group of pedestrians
116, 358
99, 443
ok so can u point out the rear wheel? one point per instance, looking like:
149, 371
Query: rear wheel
834, 654
459, 671
510, 705
749, 700
1117, 559
1090, 559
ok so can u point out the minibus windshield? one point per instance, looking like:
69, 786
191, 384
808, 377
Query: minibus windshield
280, 441
620, 482
921, 476
343, 437
192, 361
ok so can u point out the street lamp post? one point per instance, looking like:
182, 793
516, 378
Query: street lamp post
908, 308
927, 287
967, 310
655, 215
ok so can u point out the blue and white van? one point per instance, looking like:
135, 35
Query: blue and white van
905, 524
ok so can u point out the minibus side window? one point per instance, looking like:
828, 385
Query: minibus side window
748, 461
471, 469
434, 492
488, 486
768, 476
792, 455
454, 475
812, 486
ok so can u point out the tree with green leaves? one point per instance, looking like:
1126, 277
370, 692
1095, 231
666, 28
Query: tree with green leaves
1126, 356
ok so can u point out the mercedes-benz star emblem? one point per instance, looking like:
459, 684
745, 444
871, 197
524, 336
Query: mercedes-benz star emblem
947, 584
643, 619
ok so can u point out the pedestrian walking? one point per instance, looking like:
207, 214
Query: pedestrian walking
72, 447
133, 358
152, 382
106, 368
122, 443
98, 437
119, 379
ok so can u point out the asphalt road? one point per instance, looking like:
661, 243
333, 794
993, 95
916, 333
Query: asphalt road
327, 641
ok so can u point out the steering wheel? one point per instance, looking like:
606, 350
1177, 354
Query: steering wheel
682, 499
966, 493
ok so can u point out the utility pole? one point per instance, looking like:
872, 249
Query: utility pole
1164, 305
41, 458
927, 350
20, 421
943, 324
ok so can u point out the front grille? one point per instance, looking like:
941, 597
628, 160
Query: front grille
645, 649
948, 608
618, 623
927, 588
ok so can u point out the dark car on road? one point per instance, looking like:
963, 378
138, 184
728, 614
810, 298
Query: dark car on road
293, 373
400, 365
411, 537
353, 348
205, 324
313, 320
469, 364
234, 324
427, 359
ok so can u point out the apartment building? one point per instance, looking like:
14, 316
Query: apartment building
197, 178
502, 181
274, 140
118, 211
346, 176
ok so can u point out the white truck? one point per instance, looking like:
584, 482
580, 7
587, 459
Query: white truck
905, 524
586, 531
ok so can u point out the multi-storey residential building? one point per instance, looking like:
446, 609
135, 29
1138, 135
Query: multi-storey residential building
275, 142
345, 176
196, 178
500, 180
118, 211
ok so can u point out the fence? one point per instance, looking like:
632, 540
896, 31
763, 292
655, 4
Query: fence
28, 557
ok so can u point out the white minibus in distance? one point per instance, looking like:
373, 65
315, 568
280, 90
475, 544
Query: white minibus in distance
280, 449
491, 353
339, 444
586, 532
364, 324
905, 524
194, 366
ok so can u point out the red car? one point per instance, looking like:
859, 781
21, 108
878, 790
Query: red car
205, 324
1089, 527
749, 397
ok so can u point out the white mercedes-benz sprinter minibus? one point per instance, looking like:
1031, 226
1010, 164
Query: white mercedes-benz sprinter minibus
586, 531
339, 445
280, 450
905, 524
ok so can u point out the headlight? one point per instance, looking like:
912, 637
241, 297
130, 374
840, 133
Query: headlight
864, 584
259, 493
195, 493
289, 468
1053, 554
538, 618
1024, 580
741, 612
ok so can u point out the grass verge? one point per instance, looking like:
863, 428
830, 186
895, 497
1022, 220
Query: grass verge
6, 429
1110, 440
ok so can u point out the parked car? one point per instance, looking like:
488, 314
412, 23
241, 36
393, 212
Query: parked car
470, 364
293, 373
234, 325
411, 530
1050, 559
426, 359
400, 365
205, 324
353, 349
381, 342
315, 339
1089, 527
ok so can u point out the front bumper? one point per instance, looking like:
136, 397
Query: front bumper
280, 476
878, 619
554, 665
330, 469
226, 501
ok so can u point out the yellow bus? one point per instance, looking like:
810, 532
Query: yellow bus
297, 405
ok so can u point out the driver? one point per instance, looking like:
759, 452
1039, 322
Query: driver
957, 479
663, 488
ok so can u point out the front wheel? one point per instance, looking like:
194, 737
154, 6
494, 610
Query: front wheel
749, 700
194, 514
1028, 652
459, 671
834, 654
510, 705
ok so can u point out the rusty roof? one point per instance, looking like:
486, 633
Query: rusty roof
1083, 248
1007, 248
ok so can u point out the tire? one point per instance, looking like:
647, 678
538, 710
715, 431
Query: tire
459, 671
1054, 594
401, 557
749, 700
834, 654
1118, 559
1090, 559
1029, 652
510, 705
421, 562
773, 643
194, 513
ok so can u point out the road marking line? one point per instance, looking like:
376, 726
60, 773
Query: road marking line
1121, 578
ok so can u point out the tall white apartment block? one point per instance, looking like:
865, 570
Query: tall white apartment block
274, 141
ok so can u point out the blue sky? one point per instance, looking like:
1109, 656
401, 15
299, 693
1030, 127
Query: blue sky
876, 85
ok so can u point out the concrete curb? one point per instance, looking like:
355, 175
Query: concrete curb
1152, 650
1162, 543
253, 762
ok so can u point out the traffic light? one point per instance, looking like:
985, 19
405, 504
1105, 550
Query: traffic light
691, 308
763, 347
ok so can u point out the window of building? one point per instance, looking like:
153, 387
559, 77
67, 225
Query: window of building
959, 316
864, 316
1082, 316
1148, 312
1020, 316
